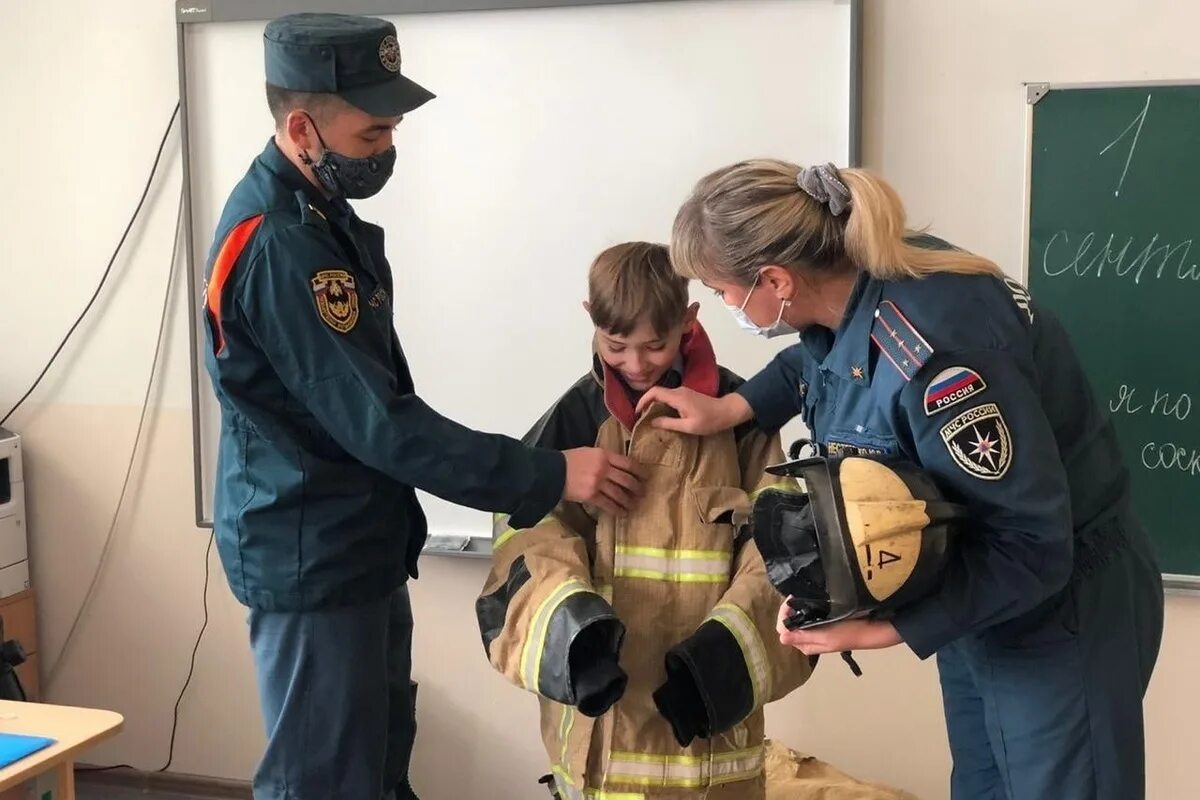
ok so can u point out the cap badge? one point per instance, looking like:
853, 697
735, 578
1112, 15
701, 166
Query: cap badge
389, 53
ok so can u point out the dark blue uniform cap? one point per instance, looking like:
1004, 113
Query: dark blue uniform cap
356, 58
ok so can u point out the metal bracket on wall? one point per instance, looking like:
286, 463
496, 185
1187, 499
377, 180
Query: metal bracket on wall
1035, 92
458, 546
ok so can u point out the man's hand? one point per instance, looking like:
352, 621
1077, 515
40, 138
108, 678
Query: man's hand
699, 414
607, 480
837, 637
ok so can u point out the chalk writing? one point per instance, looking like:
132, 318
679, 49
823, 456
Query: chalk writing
1094, 255
1127, 402
1139, 121
1169, 456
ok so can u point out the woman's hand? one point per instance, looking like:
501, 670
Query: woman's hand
838, 637
699, 414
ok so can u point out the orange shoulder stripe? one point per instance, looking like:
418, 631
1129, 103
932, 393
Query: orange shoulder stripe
235, 243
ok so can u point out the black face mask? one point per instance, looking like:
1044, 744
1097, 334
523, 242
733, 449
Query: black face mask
351, 178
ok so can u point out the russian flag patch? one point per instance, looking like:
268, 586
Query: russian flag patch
950, 387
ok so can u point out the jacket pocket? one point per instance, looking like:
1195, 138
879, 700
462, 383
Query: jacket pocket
721, 505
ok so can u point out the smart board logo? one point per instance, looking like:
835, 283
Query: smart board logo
188, 11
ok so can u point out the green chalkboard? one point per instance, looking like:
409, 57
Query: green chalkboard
1114, 209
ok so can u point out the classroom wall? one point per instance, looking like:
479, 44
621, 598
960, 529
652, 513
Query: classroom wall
85, 101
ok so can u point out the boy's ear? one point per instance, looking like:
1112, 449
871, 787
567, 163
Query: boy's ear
690, 316
587, 307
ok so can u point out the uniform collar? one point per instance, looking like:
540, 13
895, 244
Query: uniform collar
850, 354
278, 165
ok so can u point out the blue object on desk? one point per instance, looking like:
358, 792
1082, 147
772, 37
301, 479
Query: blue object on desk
15, 746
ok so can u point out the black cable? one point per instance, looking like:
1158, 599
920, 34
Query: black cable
103, 769
107, 270
196, 649
187, 682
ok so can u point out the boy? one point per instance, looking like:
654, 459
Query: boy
650, 639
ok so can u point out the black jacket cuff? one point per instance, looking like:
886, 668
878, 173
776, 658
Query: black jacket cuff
714, 660
679, 702
583, 633
598, 686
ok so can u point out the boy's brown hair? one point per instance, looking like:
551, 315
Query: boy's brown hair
632, 282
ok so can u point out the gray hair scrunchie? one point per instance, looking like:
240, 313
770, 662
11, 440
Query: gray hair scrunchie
822, 184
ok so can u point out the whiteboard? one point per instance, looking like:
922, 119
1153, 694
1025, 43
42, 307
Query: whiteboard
556, 133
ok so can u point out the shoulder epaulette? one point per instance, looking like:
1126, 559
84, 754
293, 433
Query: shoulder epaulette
900, 342
310, 214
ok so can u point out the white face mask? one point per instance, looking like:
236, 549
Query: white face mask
777, 328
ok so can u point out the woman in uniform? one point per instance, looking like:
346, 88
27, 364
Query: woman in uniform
1048, 621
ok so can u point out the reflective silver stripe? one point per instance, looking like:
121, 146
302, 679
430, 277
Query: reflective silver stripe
751, 643
535, 640
565, 788
689, 772
569, 792
678, 566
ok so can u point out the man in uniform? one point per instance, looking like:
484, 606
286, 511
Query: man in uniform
323, 439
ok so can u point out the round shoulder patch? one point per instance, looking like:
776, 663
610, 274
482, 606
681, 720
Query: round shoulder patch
979, 441
389, 53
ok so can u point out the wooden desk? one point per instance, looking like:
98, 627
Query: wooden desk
74, 729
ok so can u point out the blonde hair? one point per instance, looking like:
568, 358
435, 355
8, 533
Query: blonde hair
632, 282
754, 213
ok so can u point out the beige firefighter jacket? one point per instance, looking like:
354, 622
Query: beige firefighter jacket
594, 613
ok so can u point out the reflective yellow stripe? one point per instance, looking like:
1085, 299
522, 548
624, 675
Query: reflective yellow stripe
671, 577
791, 487
656, 758
604, 590
568, 790
535, 641
564, 731
565, 787
658, 552
753, 651
501, 532
689, 772
677, 566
